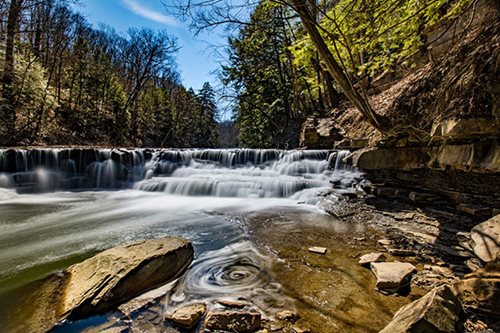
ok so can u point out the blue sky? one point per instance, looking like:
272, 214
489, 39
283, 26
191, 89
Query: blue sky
195, 59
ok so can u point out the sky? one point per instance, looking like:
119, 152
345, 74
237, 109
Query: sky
196, 60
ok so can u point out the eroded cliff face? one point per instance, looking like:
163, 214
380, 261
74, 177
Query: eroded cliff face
446, 121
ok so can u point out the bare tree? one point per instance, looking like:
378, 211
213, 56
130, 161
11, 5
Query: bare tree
15, 9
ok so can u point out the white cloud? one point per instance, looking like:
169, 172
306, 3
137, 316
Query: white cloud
150, 14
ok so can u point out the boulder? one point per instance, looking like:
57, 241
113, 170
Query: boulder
233, 321
392, 276
486, 239
480, 291
111, 277
189, 315
101, 283
438, 311
319, 133
367, 259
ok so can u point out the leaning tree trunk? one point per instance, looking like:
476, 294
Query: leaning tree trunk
362, 104
9, 116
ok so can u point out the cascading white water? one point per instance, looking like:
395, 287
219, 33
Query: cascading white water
209, 172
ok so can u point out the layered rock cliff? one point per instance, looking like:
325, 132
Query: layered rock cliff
446, 128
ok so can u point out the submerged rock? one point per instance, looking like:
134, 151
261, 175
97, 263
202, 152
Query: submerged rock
189, 315
392, 276
367, 259
233, 321
486, 239
438, 311
233, 304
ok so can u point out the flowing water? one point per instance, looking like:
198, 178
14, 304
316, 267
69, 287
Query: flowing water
59, 206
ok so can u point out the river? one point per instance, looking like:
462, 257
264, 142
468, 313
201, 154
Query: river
60, 206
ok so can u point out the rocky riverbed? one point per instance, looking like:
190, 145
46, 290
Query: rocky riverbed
372, 257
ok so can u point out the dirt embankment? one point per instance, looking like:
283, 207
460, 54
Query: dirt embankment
462, 85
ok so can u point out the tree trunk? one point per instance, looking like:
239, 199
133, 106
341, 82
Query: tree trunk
379, 122
8, 72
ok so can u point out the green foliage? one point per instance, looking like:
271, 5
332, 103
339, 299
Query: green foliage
372, 37
260, 74
207, 130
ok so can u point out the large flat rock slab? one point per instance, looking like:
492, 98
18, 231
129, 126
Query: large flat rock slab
486, 239
437, 312
101, 283
392, 276
111, 277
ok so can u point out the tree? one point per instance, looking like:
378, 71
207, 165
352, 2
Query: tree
8, 110
66, 82
144, 55
311, 14
260, 73
207, 132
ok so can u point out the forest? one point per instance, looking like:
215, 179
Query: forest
65, 82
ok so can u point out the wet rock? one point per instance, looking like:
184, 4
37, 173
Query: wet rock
480, 291
233, 321
145, 300
318, 249
486, 239
392, 276
438, 311
111, 277
287, 315
384, 242
233, 304
367, 259
189, 315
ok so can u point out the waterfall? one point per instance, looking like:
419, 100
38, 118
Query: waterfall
192, 172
